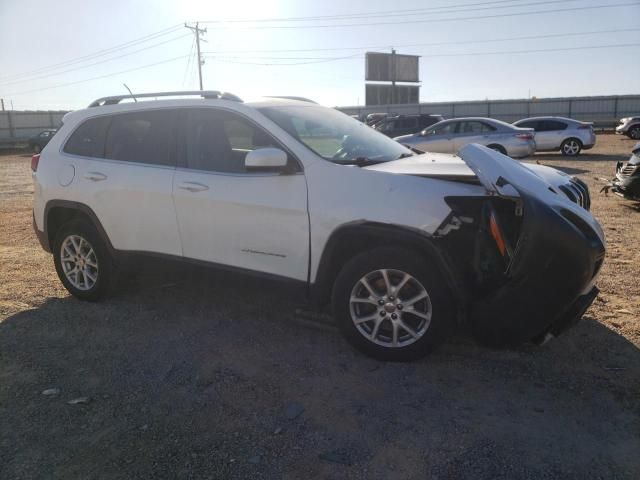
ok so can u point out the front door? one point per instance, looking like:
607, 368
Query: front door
230, 216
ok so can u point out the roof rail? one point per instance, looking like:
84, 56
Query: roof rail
287, 97
209, 94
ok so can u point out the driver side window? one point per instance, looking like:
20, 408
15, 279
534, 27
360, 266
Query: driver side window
219, 140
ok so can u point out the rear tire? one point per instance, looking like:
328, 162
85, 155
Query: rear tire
571, 147
498, 148
400, 317
82, 261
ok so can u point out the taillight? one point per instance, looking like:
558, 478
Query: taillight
35, 159
524, 136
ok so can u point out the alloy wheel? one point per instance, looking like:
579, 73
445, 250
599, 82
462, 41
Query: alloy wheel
390, 308
79, 262
571, 147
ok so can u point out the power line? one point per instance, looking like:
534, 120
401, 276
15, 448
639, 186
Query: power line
27, 79
464, 54
98, 77
186, 70
98, 53
432, 44
386, 13
451, 19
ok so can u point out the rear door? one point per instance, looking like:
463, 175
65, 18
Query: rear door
473, 131
124, 166
227, 215
438, 138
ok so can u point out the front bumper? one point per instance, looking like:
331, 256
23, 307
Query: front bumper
622, 129
549, 283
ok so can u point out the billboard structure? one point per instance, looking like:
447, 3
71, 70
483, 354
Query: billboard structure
391, 68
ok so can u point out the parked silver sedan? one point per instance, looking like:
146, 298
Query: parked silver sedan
559, 133
449, 136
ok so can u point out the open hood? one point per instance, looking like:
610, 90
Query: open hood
433, 165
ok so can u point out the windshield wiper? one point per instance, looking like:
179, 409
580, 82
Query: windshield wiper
405, 155
359, 161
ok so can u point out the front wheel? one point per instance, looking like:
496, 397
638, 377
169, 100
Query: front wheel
634, 133
82, 261
571, 147
392, 304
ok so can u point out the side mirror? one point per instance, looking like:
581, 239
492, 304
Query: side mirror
267, 158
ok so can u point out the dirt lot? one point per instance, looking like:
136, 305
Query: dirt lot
191, 374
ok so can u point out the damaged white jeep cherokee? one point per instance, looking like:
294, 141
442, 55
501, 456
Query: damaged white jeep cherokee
403, 246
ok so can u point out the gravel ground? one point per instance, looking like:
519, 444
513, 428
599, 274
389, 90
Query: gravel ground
187, 373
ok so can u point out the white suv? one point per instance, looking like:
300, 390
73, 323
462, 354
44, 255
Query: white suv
403, 246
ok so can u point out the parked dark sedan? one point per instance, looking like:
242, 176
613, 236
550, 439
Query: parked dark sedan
406, 124
37, 142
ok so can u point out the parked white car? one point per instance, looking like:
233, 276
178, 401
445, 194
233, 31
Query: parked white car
559, 133
629, 126
449, 136
403, 246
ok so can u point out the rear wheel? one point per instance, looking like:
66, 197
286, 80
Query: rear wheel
82, 261
634, 133
498, 148
571, 147
392, 304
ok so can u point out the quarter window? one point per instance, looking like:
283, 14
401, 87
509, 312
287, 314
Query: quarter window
88, 139
218, 140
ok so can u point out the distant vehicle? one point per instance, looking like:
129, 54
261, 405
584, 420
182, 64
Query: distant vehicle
450, 136
37, 142
630, 127
627, 181
374, 118
559, 133
406, 124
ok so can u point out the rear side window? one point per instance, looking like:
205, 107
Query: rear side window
88, 139
143, 137
552, 125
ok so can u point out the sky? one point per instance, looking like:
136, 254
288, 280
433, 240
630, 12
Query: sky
470, 49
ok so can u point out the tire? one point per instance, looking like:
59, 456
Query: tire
37, 149
436, 309
571, 147
498, 148
79, 243
634, 133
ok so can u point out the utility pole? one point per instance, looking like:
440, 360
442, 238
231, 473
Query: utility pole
393, 76
197, 30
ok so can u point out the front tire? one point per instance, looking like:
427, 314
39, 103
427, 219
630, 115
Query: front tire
634, 133
571, 147
82, 261
392, 304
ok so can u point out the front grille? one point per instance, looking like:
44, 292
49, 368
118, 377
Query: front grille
628, 170
578, 192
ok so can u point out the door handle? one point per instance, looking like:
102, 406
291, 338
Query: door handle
193, 186
95, 176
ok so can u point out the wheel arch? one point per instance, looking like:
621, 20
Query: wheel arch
354, 238
59, 212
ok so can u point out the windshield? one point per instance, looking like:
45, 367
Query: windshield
334, 135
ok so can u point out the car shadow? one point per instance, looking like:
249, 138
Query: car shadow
184, 370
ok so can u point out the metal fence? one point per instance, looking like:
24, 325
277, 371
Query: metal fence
17, 127
604, 111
